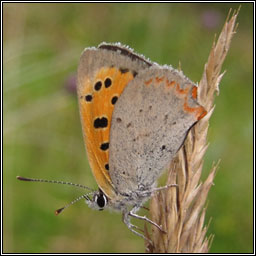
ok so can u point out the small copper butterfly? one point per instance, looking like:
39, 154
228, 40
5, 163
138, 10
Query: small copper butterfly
135, 116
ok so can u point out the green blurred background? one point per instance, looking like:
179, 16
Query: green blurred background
42, 132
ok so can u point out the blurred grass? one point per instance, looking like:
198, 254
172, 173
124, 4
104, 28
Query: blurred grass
43, 137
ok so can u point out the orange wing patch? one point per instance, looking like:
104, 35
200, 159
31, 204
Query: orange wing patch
97, 101
199, 112
169, 83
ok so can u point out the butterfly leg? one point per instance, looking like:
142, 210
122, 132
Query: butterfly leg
164, 187
126, 220
133, 214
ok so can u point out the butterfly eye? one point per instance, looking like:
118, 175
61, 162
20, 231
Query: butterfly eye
101, 200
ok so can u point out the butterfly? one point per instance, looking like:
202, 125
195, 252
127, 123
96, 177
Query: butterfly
135, 116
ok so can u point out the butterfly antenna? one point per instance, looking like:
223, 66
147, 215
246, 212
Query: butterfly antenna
53, 181
86, 197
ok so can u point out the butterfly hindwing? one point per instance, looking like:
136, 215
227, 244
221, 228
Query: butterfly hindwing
153, 114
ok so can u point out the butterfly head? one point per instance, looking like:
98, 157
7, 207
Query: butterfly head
99, 200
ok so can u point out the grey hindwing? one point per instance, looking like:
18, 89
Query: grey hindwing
148, 126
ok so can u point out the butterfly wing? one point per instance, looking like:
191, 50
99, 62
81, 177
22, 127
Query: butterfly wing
103, 73
150, 122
